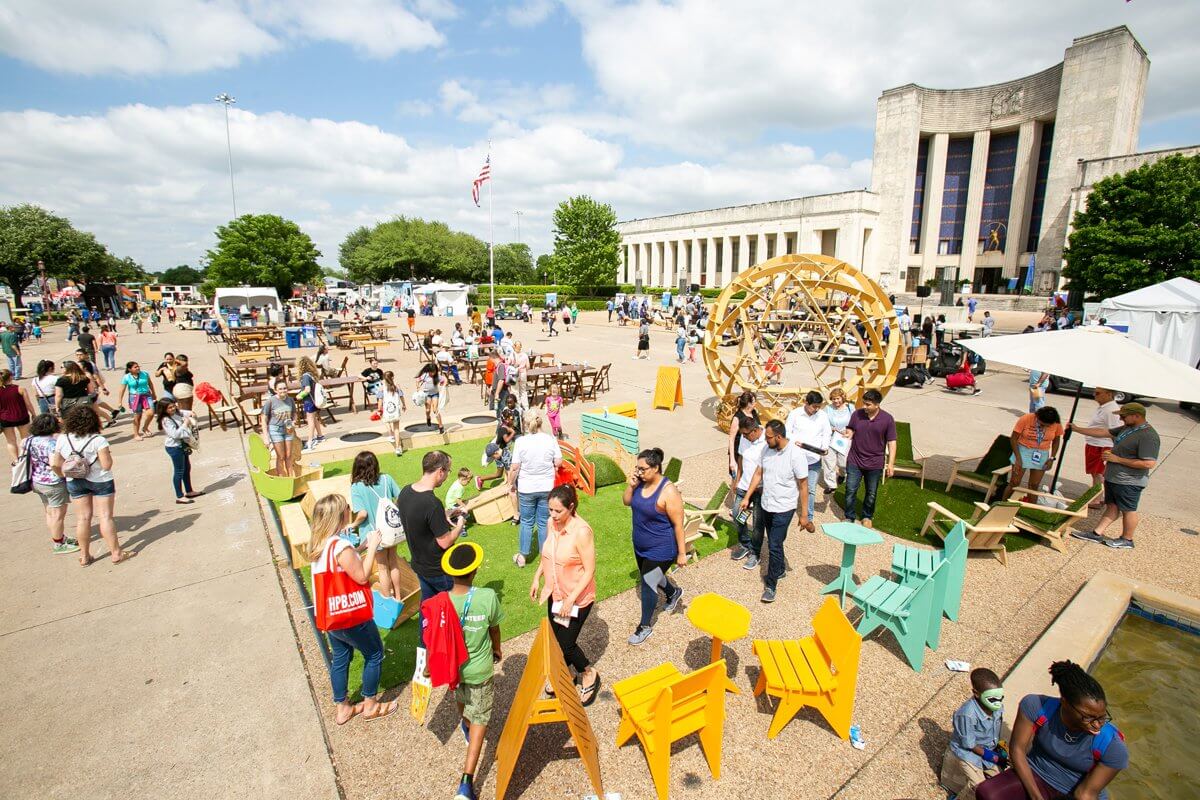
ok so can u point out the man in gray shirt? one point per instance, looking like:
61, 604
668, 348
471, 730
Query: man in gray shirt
1126, 473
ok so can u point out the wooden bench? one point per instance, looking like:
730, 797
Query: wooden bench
297, 531
371, 346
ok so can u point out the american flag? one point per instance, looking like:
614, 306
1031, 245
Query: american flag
485, 173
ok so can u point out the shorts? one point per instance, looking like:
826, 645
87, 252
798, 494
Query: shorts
958, 776
70, 402
82, 487
139, 402
277, 435
308, 406
53, 495
15, 423
1093, 461
1031, 457
1122, 495
477, 701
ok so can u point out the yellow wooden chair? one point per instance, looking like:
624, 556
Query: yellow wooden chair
819, 671
662, 705
986, 528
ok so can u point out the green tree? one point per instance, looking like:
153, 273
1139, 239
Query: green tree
354, 240
182, 275
29, 233
1139, 228
262, 250
545, 269
124, 270
410, 248
514, 264
586, 242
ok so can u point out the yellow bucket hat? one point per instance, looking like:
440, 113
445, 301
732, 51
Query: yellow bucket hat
462, 558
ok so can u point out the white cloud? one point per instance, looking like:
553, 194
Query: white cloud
482, 102
529, 13
703, 73
133, 37
152, 183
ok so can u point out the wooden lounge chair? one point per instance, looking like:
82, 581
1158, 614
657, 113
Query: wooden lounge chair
985, 529
704, 514
909, 461
1054, 524
820, 671
662, 706
990, 473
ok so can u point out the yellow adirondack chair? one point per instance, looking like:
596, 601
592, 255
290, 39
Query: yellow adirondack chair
820, 671
985, 529
662, 705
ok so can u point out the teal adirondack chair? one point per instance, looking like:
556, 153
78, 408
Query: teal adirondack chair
990, 474
914, 564
912, 613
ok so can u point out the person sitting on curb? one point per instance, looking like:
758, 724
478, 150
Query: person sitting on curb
973, 755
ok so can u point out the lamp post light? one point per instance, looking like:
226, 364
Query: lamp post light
224, 99
518, 214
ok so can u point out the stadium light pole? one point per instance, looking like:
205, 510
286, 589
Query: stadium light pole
518, 214
224, 99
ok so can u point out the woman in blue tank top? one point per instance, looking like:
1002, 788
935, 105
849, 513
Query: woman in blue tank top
657, 536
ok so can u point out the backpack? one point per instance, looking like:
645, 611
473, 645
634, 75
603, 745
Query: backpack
22, 472
320, 396
1100, 741
908, 377
76, 465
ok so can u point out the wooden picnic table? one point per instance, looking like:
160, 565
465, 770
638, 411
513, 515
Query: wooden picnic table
256, 391
568, 375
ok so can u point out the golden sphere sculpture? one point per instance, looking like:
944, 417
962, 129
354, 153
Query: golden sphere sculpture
805, 322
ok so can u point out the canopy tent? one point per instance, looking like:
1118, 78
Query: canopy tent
252, 296
1164, 317
447, 298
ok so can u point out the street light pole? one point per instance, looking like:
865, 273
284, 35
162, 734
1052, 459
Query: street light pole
518, 216
224, 99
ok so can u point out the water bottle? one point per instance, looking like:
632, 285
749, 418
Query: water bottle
856, 739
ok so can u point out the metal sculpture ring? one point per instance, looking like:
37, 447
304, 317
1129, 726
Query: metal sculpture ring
805, 322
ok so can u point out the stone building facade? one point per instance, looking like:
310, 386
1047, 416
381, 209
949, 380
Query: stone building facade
967, 185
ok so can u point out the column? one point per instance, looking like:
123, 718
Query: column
760, 253
931, 216
669, 263
744, 254
694, 267
644, 263
1024, 177
710, 265
726, 259
979, 157
781, 243
623, 272
655, 265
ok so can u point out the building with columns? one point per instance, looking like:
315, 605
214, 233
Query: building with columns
967, 185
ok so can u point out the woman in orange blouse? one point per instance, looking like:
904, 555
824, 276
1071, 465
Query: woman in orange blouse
568, 565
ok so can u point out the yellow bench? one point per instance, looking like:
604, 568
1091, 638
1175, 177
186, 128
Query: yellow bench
621, 409
820, 671
662, 705
339, 484
373, 345
297, 532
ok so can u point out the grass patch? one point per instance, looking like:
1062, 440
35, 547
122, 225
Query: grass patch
901, 508
615, 567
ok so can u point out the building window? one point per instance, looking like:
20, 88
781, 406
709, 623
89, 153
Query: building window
954, 196
1039, 187
919, 196
997, 191
735, 256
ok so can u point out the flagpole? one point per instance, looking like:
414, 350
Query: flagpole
491, 237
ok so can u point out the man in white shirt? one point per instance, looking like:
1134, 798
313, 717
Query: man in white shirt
905, 324
809, 429
783, 478
507, 350
1105, 417
749, 456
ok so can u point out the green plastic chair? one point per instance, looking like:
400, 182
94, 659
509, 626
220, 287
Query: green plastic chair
260, 456
1053, 524
990, 474
915, 564
274, 487
908, 462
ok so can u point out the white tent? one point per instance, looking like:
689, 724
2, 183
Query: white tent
452, 296
1164, 317
235, 297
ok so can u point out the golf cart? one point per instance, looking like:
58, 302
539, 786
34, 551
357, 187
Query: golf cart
510, 308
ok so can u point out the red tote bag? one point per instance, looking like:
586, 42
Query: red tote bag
341, 602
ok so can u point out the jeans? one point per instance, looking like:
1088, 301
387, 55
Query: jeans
43, 405
181, 480
72, 332
679, 343
14, 365
342, 643
855, 476
568, 637
432, 586
109, 351
649, 594
453, 370
745, 531
775, 525
533, 508
814, 477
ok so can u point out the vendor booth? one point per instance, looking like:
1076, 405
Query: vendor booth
1164, 317
446, 299
234, 303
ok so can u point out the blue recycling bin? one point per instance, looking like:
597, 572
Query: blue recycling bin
308, 336
292, 337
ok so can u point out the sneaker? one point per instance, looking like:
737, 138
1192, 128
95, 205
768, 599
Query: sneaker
751, 562
768, 596
465, 791
65, 546
641, 634
1089, 536
866, 523
399, 451
519, 560
1119, 543
478, 483
673, 603
309, 446
739, 552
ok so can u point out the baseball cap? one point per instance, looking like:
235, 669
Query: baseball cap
1132, 408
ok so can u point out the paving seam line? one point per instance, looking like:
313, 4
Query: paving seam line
951, 677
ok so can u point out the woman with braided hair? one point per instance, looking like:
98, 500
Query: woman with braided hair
1062, 747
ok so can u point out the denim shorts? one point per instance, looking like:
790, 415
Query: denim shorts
1031, 457
82, 487
1122, 495
277, 434
53, 495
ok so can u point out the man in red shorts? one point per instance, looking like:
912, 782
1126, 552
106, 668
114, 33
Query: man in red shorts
1105, 417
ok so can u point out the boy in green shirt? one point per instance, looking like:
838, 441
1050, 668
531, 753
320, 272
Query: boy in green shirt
480, 613
454, 498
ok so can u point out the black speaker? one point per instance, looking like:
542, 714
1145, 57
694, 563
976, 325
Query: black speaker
924, 291
695, 288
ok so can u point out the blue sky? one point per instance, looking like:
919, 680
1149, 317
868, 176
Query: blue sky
351, 112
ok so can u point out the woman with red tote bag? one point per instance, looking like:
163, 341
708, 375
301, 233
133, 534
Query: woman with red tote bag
343, 606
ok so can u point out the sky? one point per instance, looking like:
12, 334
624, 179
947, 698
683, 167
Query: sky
348, 113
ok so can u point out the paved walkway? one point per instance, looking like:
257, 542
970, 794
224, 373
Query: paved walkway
176, 674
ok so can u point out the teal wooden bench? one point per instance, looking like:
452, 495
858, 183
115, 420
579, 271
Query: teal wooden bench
913, 613
622, 428
913, 565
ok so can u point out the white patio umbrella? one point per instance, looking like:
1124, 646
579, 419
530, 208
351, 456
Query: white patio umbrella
1093, 356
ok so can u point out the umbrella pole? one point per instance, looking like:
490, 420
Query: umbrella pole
1066, 438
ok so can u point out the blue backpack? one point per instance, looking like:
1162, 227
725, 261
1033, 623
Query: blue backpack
1100, 742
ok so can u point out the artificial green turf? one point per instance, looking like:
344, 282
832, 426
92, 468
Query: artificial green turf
615, 568
901, 508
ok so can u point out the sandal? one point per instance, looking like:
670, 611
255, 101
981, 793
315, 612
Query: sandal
194, 494
125, 556
587, 694
355, 710
381, 711
184, 501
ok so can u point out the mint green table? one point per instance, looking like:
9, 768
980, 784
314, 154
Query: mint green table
852, 536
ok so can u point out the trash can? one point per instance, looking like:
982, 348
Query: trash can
292, 337
308, 336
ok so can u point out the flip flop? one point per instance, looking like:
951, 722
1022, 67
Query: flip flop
126, 555
587, 694
381, 711
355, 710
